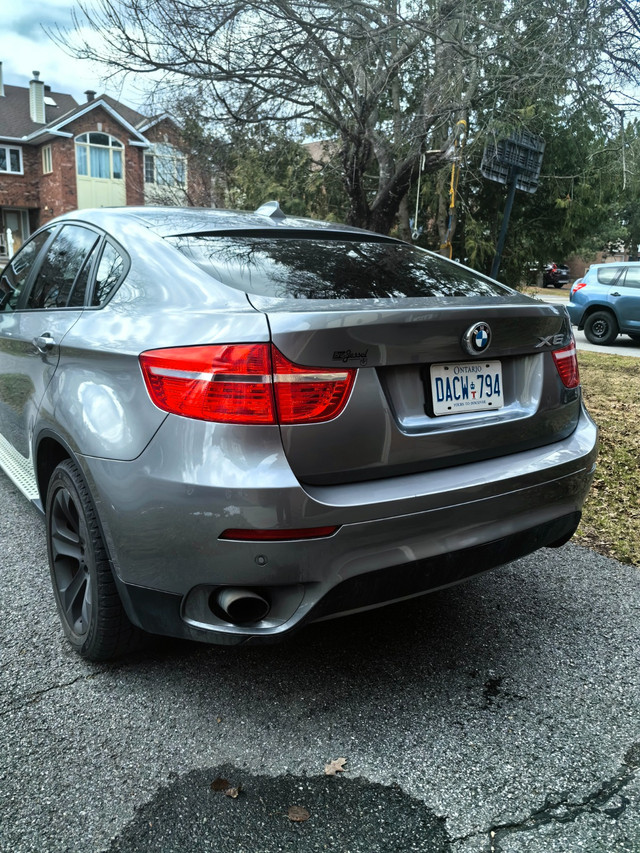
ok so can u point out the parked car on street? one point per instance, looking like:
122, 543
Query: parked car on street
238, 423
555, 275
606, 302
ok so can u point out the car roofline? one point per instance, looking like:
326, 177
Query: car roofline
175, 221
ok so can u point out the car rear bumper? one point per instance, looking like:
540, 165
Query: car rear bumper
396, 538
575, 313
166, 614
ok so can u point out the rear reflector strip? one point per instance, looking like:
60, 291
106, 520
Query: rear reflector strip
243, 535
311, 377
193, 376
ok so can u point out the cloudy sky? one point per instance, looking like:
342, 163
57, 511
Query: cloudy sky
25, 47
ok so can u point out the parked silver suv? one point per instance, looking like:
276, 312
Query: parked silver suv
240, 423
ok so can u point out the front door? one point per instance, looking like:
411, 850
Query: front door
42, 295
15, 228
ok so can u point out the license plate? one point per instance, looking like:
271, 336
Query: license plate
470, 386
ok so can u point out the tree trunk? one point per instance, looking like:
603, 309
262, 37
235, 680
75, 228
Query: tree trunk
384, 211
404, 226
443, 213
355, 158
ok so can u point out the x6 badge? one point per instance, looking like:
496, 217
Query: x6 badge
550, 341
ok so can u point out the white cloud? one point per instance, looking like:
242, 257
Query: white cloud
25, 46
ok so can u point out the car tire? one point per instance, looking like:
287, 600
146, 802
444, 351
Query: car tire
601, 327
558, 285
92, 616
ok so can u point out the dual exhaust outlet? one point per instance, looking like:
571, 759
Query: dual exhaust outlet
240, 606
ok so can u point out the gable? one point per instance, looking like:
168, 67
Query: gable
66, 124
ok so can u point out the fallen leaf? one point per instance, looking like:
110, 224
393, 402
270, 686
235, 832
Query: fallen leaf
220, 784
233, 792
335, 766
298, 814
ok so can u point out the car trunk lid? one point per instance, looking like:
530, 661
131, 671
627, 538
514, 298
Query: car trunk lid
392, 423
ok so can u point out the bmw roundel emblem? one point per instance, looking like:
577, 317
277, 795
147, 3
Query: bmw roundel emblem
476, 339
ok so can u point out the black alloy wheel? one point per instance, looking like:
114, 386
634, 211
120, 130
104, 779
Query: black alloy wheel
88, 603
601, 327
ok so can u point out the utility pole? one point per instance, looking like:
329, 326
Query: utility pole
516, 162
513, 182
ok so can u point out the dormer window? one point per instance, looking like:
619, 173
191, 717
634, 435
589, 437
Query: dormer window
99, 155
11, 159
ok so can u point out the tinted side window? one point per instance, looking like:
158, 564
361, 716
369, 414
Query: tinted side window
17, 270
632, 278
63, 261
607, 275
79, 290
110, 272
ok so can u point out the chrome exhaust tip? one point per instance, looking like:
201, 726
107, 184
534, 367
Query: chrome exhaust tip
242, 606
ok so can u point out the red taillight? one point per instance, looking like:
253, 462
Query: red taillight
304, 395
577, 285
566, 360
230, 384
243, 384
246, 535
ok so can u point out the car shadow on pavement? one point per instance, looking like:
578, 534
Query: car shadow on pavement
469, 639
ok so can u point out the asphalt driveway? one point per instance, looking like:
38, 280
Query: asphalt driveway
500, 715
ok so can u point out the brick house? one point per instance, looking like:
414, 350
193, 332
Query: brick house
57, 155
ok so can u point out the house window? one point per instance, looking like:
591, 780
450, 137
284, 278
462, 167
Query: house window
99, 155
10, 159
149, 169
47, 163
165, 166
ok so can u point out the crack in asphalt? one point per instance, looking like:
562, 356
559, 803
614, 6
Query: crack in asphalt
38, 694
561, 811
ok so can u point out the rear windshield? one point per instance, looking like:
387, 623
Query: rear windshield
329, 268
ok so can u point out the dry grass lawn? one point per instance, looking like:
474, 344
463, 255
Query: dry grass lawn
611, 517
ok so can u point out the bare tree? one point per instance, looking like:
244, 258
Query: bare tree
386, 79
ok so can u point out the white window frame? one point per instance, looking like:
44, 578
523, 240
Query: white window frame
7, 149
47, 160
84, 141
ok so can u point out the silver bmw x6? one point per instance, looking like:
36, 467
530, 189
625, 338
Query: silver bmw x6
238, 423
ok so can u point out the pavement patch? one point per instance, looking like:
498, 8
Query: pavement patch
345, 815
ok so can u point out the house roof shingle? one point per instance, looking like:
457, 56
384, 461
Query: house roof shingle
15, 121
133, 117
16, 124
